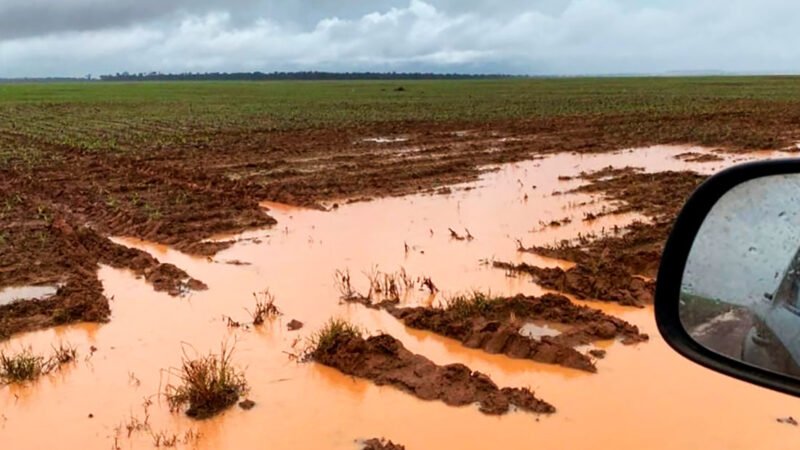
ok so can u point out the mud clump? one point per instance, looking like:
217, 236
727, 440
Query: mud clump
171, 279
494, 325
383, 360
381, 444
698, 157
605, 282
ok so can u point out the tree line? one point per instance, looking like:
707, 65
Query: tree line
306, 75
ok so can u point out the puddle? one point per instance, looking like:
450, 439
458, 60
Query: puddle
310, 406
12, 294
536, 331
385, 140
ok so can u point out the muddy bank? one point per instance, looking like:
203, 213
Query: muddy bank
603, 281
611, 264
68, 255
385, 361
495, 325
381, 444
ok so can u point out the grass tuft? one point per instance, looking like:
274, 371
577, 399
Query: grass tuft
324, 339
207, 385
27, 366
21, 367
469, 305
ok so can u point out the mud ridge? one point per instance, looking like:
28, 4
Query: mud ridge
620, 266
385, 361
605, 282
494, 325
381, 444
69, 258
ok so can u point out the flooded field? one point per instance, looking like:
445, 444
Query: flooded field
643, 395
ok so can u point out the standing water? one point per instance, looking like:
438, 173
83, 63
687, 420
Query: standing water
643, 396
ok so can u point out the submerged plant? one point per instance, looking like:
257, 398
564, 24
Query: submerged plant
27, 366
21, 367
265, 307
208, 385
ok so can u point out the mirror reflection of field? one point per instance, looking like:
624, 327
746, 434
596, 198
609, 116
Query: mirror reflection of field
715, 324
640, 391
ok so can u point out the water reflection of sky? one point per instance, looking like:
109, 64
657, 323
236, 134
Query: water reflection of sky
746, 241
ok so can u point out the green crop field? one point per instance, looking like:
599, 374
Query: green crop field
124, 116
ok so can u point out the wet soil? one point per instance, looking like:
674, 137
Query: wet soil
384, 360
698, 157
59, 253
210, 182
607, 282
381, 444
620, 264
495, 327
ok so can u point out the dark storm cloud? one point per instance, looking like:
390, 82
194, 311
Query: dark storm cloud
25, 18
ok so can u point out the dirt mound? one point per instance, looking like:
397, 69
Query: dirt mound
495, 325
385, 361
381, 444
607, 282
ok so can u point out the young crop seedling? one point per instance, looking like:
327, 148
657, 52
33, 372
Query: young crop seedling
207, 384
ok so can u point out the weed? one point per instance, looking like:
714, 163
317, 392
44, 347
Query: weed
63, 354
344, 285
27, 366
265, 307
24, 366
473, 304
324, 339
208, 385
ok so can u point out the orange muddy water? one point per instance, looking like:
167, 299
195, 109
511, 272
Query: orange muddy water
643, 396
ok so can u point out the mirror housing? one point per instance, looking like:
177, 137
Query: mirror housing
673, 266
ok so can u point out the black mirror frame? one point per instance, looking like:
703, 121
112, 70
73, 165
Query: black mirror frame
673, 263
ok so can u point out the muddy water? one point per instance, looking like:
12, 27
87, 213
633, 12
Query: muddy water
644, 396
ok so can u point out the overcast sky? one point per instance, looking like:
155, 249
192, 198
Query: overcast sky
76, 37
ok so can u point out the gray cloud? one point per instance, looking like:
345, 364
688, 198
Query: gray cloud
548, 36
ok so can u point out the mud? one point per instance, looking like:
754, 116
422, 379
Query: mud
496, 326
385, 361
620, 265
68, 256
210, 181
605, 281
381, 444
698, 157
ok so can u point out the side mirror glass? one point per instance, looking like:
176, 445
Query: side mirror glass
728, 292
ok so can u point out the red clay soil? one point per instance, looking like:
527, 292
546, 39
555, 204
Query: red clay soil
609, 267
383, 360
381, 444
494, 326
210, 182
69, 257
606, 282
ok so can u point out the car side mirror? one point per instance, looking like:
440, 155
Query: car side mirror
728, 290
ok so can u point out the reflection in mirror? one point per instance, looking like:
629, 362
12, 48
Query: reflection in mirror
740, 293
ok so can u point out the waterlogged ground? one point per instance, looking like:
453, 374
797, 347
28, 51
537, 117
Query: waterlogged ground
643, 396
